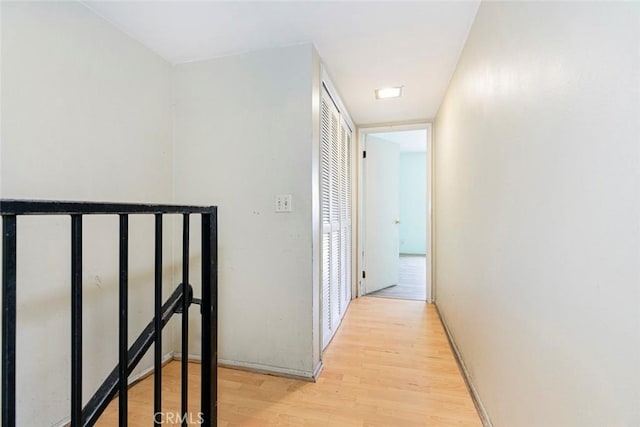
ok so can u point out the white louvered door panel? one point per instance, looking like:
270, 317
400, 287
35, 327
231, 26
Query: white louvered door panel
336, 314
346, 214
325, 213
345, 273
342, 207
348, 231
326, 289
325, 167
335, 205
336, 272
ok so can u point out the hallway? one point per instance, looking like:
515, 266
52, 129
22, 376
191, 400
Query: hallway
389, 365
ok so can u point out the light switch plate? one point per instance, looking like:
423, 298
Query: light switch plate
283, 203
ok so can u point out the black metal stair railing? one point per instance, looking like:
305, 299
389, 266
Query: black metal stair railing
178, 302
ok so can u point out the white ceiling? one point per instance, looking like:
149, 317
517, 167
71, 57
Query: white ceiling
365, 45
409, 140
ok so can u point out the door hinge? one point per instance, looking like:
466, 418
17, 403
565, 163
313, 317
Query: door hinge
364, 274
364, 154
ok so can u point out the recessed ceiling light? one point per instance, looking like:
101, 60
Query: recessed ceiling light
389, 92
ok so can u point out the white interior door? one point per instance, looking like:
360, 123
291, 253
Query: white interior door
381, 211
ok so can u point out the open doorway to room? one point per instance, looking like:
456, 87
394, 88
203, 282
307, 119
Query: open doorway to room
395, 219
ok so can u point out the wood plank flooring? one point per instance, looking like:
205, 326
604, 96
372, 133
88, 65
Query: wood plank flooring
389, 365
412, 276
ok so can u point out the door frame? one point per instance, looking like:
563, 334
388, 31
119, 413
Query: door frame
359, 284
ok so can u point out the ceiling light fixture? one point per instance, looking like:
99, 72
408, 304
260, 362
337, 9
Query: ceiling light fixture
389, 92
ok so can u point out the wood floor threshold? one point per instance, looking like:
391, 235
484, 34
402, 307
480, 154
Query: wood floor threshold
475, 397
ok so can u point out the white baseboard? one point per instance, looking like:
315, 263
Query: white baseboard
258, 368
317, 371
253, 367
482, 412
269, 370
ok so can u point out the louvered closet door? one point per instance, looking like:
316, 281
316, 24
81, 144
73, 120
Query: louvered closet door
345, 213
335, 190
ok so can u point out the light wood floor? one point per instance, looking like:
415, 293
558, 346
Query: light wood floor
412, 280
389, 365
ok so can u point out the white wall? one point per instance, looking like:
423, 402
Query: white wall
413, 203
244, 133
86, 116
538, 212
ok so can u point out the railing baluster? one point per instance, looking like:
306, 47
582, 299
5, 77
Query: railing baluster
157, 366
9, 320
123, 323
185, 315
209, 379
76, 320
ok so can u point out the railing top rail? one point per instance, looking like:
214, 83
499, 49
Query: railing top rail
50, 207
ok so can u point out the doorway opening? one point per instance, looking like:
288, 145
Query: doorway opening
395, 212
